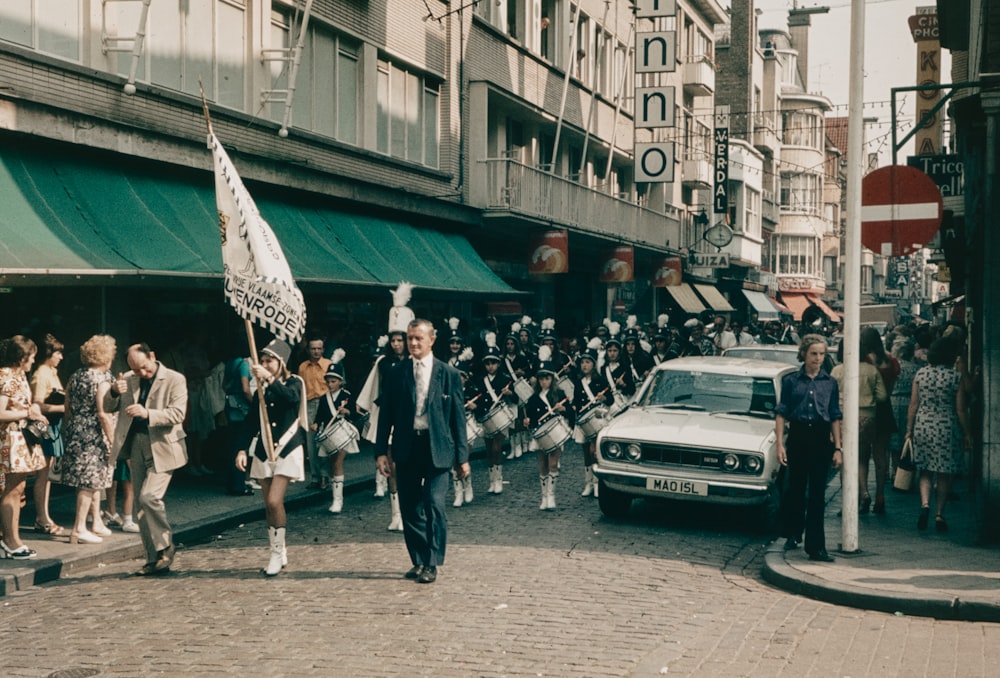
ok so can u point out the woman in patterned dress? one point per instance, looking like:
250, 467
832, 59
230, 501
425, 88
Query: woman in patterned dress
937, 425
87, 434
18, 459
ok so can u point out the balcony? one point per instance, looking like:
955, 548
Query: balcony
519, 190
765, 134
698, 75
696, 173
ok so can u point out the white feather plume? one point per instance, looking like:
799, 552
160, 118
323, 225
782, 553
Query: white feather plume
691, 323
338, 355
614, 328
606, 322
544, 353
401, 295
515, 327
466, 354
630, 321
646, 346
525, 320
594, 344
453, 323
491, 339
662, 320
383, 341
549, 324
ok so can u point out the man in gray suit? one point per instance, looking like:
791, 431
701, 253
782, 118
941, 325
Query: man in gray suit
151, 401
423, 410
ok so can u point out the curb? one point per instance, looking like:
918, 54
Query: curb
779, 573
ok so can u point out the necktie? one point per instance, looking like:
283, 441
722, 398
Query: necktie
421, 389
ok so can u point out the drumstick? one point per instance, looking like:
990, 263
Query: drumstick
593, 401
472, 399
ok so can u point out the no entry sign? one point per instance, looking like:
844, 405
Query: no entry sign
900, 210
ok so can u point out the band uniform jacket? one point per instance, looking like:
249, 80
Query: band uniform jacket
324, 415
445, 414
623, 371
582, 402
286, 415
167, 404
538, 412
487, 401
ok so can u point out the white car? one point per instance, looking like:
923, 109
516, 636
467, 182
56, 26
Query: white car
701, 430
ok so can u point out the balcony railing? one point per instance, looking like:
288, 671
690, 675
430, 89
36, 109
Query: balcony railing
528, 191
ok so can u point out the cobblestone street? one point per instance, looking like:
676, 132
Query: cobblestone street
523, 593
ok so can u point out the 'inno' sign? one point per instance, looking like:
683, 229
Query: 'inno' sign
656, 52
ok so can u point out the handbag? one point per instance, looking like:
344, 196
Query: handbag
36, 431
56, 470
906, 469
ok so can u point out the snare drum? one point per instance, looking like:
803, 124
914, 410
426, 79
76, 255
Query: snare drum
621, 404
473, 430
565, 384
498, 420
523, 389
592, 421
336, 435
552, 434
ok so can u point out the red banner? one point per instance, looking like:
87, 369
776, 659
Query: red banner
668, 273
550, 253
619, 265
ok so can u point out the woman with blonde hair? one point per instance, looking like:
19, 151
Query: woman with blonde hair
18, 457
89, 429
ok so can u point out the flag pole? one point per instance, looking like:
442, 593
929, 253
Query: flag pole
265, 422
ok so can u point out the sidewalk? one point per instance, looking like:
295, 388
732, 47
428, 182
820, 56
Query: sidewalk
897, 568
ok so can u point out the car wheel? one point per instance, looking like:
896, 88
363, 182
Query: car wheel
614, 504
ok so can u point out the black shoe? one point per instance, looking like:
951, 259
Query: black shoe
865, 505
146, 570
314, 485
940, 525
428, 575
414, 572
821, 556
792, 543
925, 513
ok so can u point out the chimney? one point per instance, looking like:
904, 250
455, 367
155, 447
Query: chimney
799, 20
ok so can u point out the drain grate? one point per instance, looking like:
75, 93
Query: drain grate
78, 672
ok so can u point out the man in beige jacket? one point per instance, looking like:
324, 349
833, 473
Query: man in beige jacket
151, 401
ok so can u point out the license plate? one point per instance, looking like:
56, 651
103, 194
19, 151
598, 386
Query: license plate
675, 486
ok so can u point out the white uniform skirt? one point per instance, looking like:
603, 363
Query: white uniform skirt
291, 466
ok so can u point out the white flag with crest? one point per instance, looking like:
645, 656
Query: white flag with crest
258, 281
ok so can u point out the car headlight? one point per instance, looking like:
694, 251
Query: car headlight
754, 464
614, 450
634, 451
730, 462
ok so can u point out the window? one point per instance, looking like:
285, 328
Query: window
802, 129
801, 192
581, 61
548, 32
797, 255
408, 112
48, 26
751, 212
326, 88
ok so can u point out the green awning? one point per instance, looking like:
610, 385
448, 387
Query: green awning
103, 215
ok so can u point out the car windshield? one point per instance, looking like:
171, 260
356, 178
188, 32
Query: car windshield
762, 353
710, 392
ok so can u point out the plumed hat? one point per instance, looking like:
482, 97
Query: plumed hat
400, 315
336, 368
492, 351
546, 366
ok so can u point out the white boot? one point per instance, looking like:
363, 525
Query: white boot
597, 484
338, 495
550, 501
381, 484
496, 479
588, 483
522, 441
396, 524
545, 492
499, 489
276, 535
459, 490
467, 486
